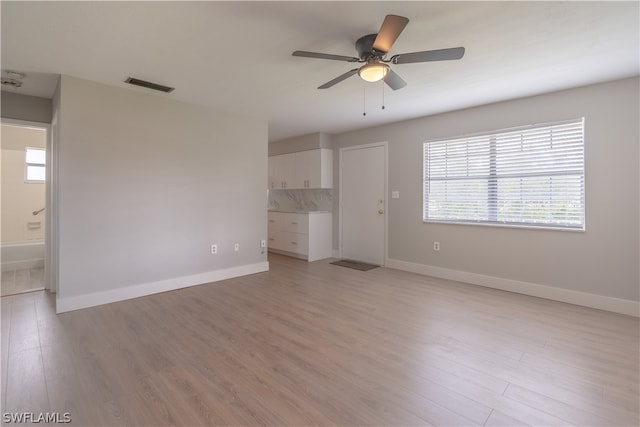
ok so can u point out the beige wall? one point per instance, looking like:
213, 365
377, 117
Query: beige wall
24, 107
20, 199
145, 185
602, 261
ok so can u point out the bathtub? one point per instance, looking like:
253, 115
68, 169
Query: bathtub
22, 255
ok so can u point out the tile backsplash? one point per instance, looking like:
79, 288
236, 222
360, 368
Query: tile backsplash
301, 200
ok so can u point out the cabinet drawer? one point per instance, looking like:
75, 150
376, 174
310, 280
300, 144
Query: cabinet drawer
290, 242
276, 243
290, 222
272, 221
271, 234
295, 242
295, 223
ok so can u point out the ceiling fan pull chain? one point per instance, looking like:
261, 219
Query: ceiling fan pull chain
364, 101
382, 94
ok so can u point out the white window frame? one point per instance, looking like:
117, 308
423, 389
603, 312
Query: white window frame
28, 164
483, 171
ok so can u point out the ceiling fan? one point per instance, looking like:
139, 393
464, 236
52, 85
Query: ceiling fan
372, 50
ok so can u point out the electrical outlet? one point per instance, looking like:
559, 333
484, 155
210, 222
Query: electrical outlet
236, 247
214, 249
436, 246
263, 244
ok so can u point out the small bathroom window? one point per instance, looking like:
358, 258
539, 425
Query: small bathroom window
34, 165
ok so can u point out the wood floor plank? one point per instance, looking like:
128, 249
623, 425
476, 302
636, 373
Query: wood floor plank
45, 304
54, 330
23, 334
8, 283
407, 387
577, 416
66, 396
204, 401
316, 344
26, 384
5, 325
21, 303
15, 282
556, 384
146, 404
59, 362
498, 419
306, 343
304, 381
599, 373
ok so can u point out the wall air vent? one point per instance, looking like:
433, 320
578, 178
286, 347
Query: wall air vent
149, 85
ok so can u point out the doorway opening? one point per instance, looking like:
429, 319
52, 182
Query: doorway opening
23, 181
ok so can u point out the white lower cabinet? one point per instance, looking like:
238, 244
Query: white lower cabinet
303, 235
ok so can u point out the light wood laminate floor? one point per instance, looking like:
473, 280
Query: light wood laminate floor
317, 344
20, 281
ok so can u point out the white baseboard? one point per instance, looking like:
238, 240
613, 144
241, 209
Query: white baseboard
335, 253
24, 264
616, 305
119, 294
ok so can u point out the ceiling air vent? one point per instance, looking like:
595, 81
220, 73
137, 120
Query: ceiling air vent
12, 78
7, 81
149, 85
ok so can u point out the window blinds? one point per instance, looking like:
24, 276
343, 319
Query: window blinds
531, 176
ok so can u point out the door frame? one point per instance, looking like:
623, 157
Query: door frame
51, 195
385, 145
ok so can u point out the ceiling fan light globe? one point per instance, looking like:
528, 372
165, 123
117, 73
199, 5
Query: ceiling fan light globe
373, 71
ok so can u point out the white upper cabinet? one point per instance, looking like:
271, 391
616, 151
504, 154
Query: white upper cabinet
275, 172
305, 169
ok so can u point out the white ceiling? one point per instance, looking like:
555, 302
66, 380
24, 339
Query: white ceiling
236, 56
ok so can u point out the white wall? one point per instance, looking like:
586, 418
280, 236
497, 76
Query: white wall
145, 186
20, 199
601, 261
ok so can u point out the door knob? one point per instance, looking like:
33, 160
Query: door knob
380, 211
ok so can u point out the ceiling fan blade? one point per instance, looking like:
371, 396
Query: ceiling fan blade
338, 79
394, 81
389, 32
429, 55
325, 56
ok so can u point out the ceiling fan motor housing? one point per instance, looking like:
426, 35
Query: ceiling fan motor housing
364, 47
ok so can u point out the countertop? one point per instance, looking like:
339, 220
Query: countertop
298, 212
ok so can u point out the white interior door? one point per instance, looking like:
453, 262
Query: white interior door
362, 203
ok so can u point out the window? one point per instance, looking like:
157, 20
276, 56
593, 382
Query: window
530, 177
34, 164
